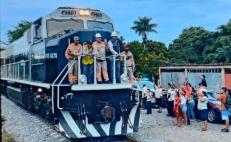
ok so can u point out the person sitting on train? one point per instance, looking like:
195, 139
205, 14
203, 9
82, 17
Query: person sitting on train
101, 63
88, 61
72, 52
115, 48
130, 62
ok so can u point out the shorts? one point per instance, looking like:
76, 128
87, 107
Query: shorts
225, 114
183, 107
159, 102
203, 114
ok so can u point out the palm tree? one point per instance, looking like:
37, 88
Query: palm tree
143, 27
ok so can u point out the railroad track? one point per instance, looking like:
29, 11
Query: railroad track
36, 129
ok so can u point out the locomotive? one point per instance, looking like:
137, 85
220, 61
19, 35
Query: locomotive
34, 75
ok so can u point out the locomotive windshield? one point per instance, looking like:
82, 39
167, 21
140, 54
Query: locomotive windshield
100, 25
55, 26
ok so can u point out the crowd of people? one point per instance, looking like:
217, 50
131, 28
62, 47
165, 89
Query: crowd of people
181, 102
104, 52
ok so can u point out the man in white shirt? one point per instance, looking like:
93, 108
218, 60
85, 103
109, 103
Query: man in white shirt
171, 97
158, 96
115, 48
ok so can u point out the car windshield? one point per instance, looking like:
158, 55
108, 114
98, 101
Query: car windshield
97, 25
55, 26
149, 84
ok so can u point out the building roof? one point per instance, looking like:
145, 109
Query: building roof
194, 66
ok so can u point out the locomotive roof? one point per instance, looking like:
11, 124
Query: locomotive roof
72, 12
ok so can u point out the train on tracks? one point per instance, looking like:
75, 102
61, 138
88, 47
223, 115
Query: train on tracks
34, 75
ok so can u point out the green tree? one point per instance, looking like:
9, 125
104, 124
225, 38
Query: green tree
18, 31
143, 26
149, 59
198, 46
189, 47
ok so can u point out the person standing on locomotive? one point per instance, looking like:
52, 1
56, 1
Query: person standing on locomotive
130, 62
101, 63
88, 61
72, 52
115, 48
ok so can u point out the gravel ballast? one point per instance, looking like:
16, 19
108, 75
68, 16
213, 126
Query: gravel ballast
27, 127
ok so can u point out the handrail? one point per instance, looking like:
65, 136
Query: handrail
58, 84
59, 74
114, 70
58, 105
95, 81
53, 85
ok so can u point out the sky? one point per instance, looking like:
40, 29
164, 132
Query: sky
171, 16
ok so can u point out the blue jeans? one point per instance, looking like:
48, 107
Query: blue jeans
117, 68
88, 70
190, 109
149, 107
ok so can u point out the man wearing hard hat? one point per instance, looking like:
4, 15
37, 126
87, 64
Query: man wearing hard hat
101, 63
72, 52
115, 48
130, 62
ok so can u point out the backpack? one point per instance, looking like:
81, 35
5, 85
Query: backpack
228, 100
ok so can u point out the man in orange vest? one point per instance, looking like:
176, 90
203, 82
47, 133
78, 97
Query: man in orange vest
101, 63
72, 52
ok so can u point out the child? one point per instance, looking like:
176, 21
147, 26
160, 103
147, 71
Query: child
183, 105
149, 103
203, 109
177, 109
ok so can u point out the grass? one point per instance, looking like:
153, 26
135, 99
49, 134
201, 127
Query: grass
5, 136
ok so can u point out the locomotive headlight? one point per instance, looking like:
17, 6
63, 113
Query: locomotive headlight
84, 12
87, 12
81, 12
40, 90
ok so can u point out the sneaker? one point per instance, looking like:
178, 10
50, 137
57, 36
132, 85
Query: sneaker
224, 130
107, 82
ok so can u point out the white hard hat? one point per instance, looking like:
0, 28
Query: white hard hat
98, 35
115, 34
76, 38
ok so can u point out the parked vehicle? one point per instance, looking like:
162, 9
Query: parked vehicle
150, 85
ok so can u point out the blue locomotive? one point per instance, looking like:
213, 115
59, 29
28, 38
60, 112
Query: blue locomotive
34, 75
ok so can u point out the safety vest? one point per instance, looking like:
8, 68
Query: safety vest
86, 60
101, 50
116, 46
73, 50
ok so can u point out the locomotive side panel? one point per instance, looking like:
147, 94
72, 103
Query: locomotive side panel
38, 62
51, 63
